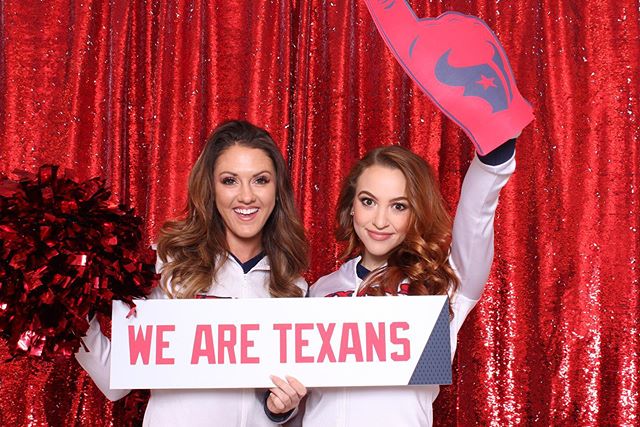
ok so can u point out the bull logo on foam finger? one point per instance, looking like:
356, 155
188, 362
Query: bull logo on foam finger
459, 63
487, 81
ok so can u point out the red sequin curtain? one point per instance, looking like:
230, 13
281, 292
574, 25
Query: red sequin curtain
129, 91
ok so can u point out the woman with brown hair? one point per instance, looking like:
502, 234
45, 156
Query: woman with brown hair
241, 237
393, 217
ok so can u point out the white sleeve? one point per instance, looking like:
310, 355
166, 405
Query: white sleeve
97, 361
303, 285
472, 237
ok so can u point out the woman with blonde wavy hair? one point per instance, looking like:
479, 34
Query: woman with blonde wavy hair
394, 221
241, 237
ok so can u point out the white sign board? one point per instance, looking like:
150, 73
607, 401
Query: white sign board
323, 342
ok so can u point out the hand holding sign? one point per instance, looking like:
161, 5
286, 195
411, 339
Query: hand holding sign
460, 64
286, 395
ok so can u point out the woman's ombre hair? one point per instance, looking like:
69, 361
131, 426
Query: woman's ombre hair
422, 259
194, 248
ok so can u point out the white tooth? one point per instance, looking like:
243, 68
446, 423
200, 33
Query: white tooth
246, 211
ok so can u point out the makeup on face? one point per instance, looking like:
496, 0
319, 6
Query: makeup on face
381, 213
245, 196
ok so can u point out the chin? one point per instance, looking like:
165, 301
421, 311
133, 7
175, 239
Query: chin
248, 233
383, 253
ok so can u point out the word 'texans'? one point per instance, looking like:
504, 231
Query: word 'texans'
236, 344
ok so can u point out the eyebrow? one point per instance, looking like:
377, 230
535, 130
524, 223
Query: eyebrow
396, 199
254, 175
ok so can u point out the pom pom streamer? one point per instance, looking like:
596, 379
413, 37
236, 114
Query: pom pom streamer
66, 252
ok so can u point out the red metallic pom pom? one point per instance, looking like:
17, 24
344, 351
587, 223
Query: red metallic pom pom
65, 252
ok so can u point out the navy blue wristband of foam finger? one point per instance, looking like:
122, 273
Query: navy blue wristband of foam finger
500, 155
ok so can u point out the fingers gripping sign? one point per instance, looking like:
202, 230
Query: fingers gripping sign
286, 394
461, 65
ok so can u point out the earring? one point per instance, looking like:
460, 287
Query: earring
352, 212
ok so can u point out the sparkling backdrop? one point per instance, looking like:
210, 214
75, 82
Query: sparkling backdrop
129, 90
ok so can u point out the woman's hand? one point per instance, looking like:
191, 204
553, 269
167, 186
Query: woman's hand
286, 394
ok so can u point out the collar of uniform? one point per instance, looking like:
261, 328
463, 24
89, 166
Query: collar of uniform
351, 268
361, 271
261, 265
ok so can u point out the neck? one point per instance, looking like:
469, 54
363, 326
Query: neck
244, 249
372, 262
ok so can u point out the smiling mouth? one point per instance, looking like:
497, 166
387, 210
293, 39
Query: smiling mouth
246, 214
379, 236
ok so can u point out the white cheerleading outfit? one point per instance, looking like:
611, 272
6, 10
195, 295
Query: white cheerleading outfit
193, 407
471, 257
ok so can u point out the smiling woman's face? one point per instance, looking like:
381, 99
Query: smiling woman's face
381, 213
245, 194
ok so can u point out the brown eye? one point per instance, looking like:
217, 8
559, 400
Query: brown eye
228, 180
399, 206
262, 180
366, 201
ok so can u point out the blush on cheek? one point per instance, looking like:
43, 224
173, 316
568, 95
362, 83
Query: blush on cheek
359, 220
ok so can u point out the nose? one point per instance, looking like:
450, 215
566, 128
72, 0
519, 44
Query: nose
380, 220
246, 194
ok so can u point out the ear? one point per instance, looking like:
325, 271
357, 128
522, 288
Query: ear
353, 207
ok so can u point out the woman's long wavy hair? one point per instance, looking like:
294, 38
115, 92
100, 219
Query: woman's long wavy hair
422, 258
194, 248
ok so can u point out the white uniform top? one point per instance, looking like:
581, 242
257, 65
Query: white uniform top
471, 257
193, 407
